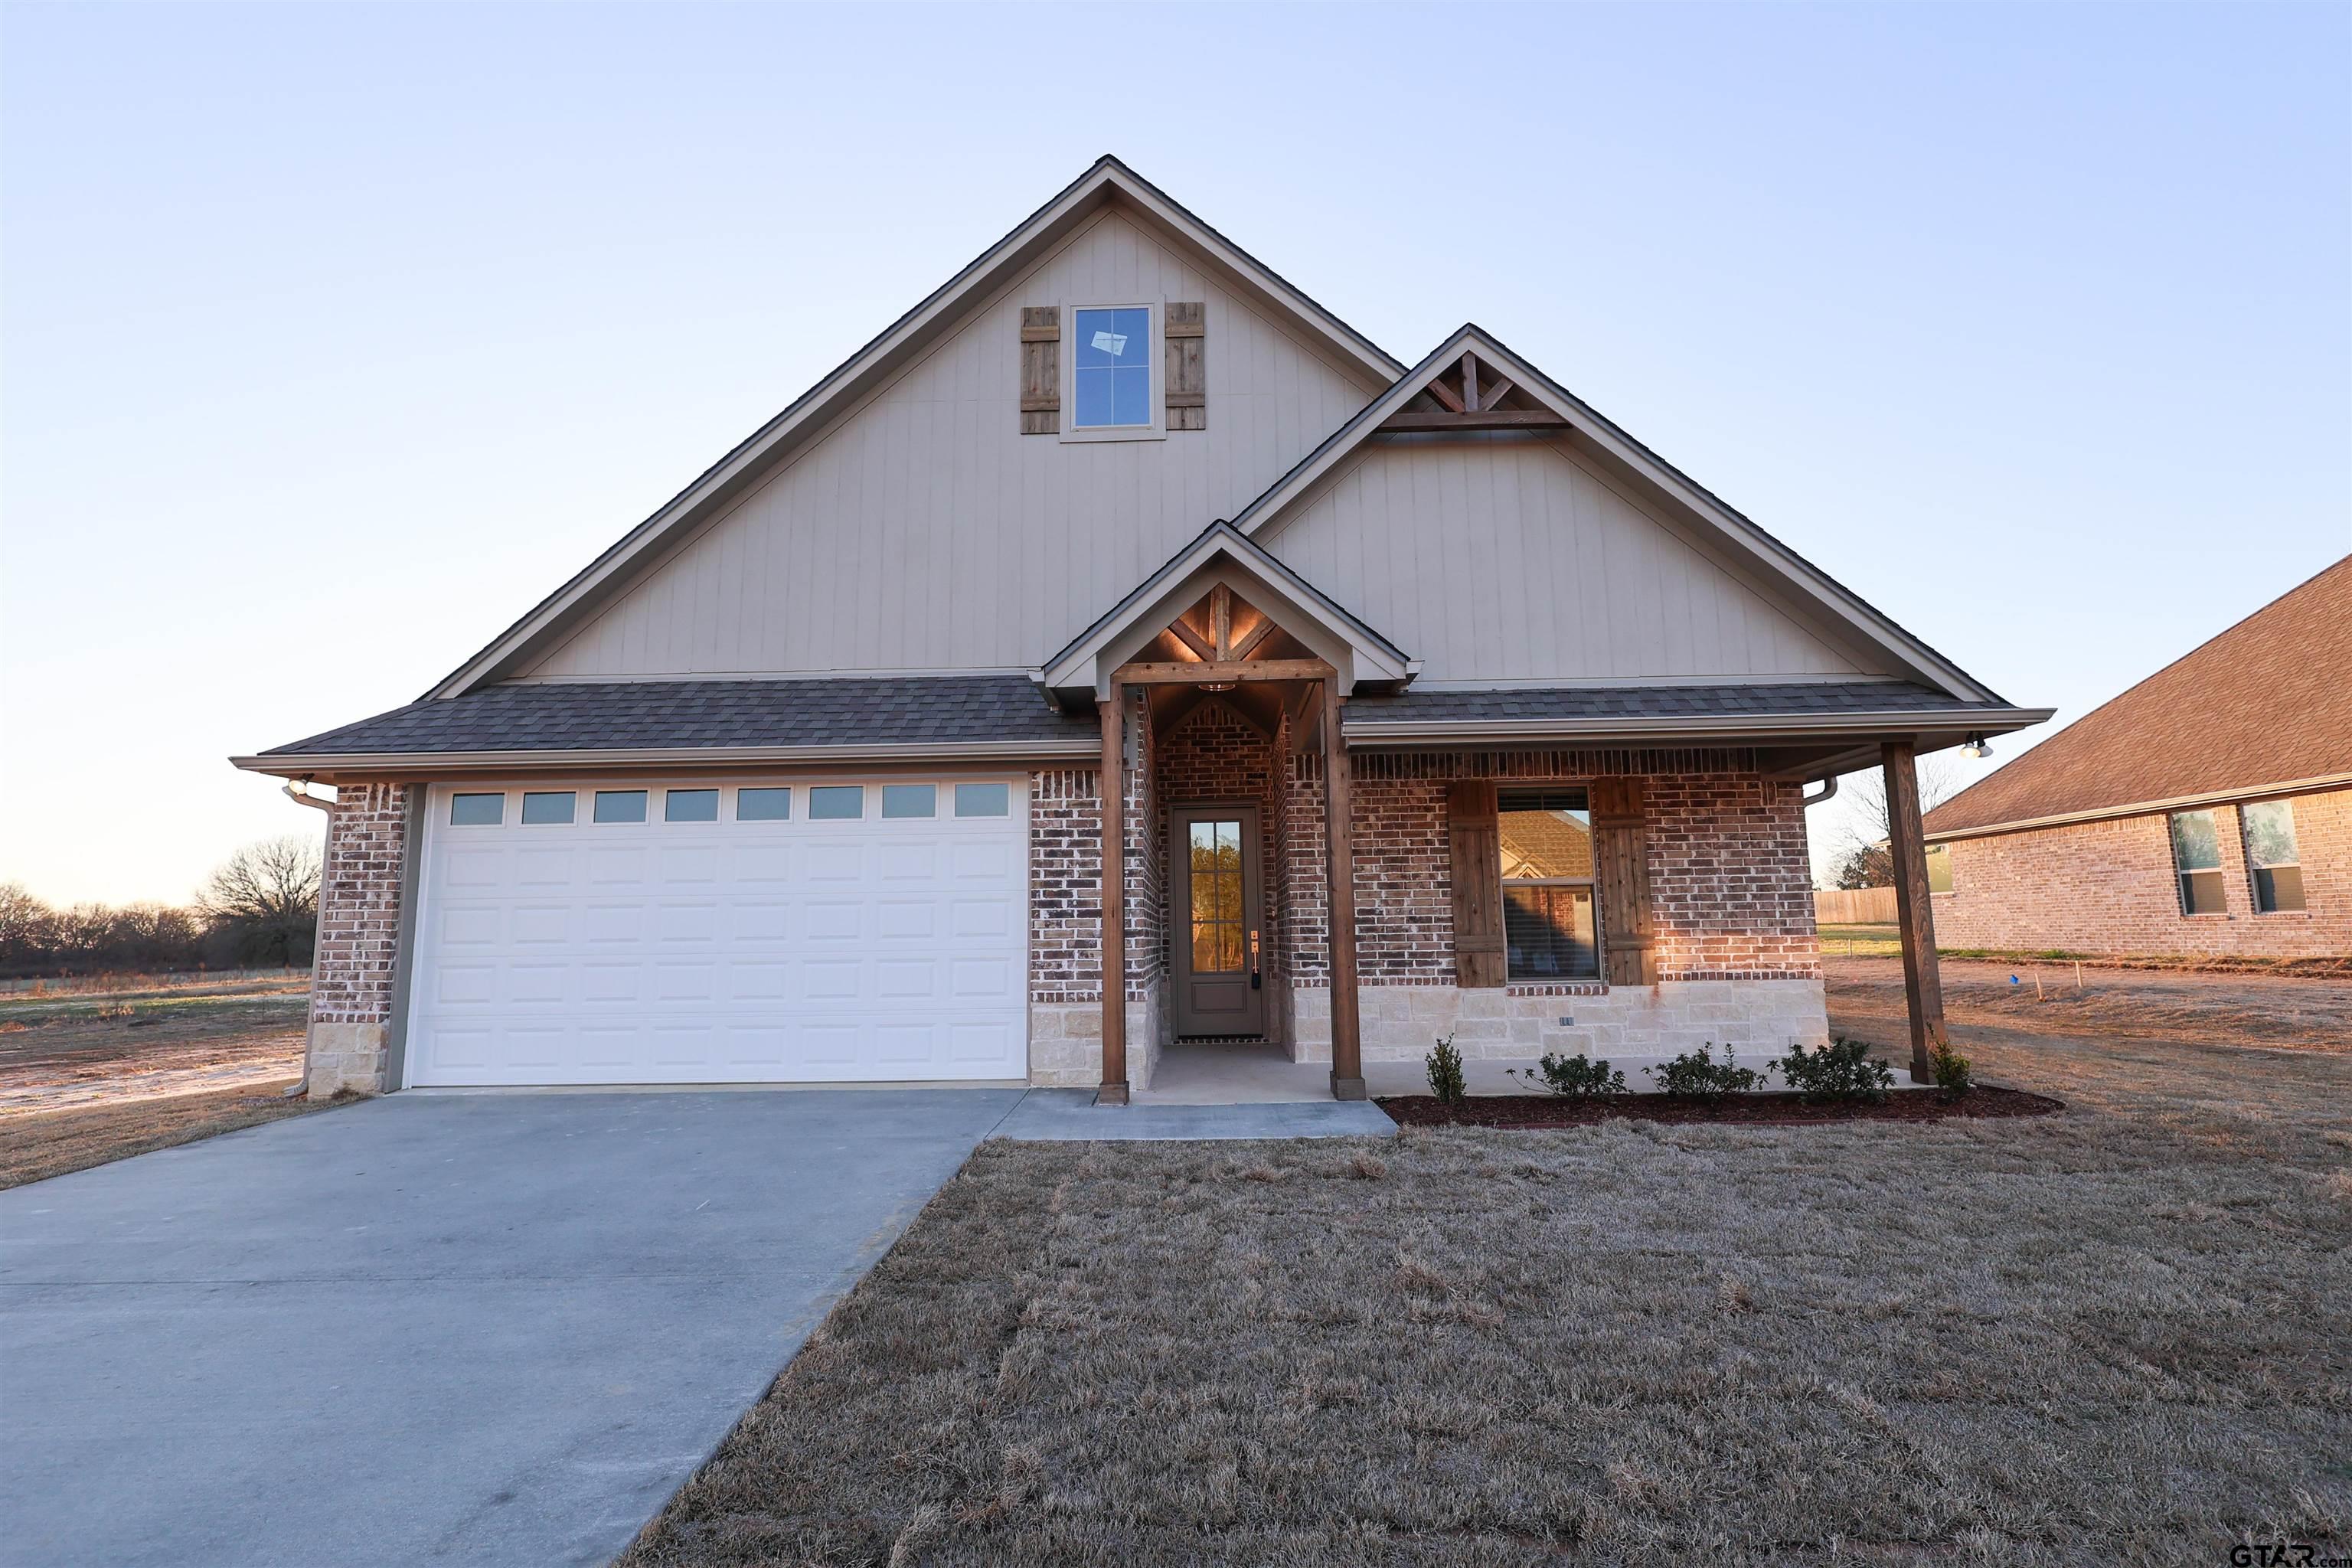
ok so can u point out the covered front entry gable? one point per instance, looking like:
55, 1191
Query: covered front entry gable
1224, 598
1225, 629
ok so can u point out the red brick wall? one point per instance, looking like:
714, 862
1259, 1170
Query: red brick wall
359, 905
1065, 886
1730, 880
2108, 887
1066, 878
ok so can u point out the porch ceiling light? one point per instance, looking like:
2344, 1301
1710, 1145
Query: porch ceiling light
1216, 686
1976, 748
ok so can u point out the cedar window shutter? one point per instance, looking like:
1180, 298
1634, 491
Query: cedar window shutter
1040, 369
1471, 828
1621, 858
1188, 374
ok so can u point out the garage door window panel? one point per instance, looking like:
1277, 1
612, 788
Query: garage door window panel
983, 800
837, 802
620, 805
476, 810
548, 808
899, 801
690, 805
763, 805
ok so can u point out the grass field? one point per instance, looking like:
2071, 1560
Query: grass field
1861, 942
2122, 1333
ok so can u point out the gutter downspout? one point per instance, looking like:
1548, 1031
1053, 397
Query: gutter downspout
1829, 788
295, 791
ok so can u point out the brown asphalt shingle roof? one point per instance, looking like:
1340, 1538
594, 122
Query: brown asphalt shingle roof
2267, 703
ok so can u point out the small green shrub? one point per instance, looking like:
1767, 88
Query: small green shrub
1953, 1075
1843, 1069
1577, 1076
1445, 1073
1698, 1074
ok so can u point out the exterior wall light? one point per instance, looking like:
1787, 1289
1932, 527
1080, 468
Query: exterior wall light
1976, 748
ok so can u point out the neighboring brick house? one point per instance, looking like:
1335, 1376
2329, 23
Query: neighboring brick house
2205, 811
802, 779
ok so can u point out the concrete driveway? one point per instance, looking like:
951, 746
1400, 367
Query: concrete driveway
475, 1328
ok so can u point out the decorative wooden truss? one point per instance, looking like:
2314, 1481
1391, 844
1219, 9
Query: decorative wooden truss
1476, 398
1221, 654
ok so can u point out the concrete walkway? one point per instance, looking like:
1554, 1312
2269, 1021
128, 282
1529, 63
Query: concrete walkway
480, 1329
1071, 1115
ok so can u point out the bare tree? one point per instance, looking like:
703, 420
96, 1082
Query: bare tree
28, 927
266, 898
1864, 856
37, 938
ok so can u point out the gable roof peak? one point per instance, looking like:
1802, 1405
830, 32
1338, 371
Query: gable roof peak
1571, 422
897, 346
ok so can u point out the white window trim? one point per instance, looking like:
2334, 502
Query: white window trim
1157, 374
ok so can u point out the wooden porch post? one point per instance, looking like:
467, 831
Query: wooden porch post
1347, 1043
1923, 981
1114, 899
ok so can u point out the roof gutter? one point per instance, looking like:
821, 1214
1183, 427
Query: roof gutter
1745, 726
2323, 781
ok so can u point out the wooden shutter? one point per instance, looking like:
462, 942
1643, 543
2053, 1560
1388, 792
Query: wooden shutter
1188, 374
1040, 369
1470, 829
1621, 864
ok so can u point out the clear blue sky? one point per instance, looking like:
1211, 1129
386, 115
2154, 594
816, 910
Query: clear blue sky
334, 336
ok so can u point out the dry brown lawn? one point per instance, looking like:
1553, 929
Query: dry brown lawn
2119, 1334
36, 1145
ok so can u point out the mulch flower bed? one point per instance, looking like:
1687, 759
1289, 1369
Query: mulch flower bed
1769, 1110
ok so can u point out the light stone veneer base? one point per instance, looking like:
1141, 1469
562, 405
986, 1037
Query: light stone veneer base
1066, 1043
1758, 1018
345, 1056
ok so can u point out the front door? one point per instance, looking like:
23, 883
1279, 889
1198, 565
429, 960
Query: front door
1217, 898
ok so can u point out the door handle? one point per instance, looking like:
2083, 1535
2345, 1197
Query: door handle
1254, 982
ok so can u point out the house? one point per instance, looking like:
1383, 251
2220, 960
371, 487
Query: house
2207, 810
1434, 703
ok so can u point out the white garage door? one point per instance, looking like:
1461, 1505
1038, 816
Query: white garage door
716, 934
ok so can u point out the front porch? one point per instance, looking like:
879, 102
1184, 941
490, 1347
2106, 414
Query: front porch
1290, 906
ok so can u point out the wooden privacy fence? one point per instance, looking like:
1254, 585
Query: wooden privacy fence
1855, 907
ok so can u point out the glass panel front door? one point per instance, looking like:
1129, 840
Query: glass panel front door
1216, 897
1218, 948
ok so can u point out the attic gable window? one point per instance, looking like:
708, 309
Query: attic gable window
1110, 376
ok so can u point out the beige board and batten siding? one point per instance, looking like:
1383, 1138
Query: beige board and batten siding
925, 533
1506, 558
